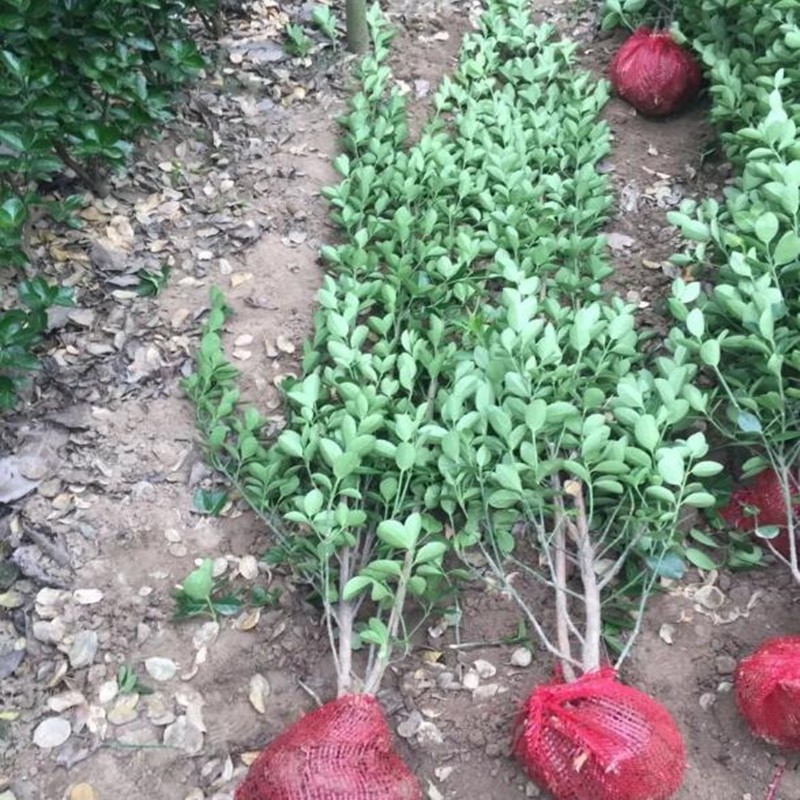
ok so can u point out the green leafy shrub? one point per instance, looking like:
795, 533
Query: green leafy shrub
464, 356
21, 329
80, 79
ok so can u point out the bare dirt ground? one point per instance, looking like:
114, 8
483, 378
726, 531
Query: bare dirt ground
230, 197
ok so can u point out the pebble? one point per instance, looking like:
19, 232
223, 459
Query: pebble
183, 735
725, 664
8, 795
142, 632
171, 535
245, 340
51, 597
270, 349
87, 597
108, 691
248, 567
471, 680
61, 702
158, 712
52, 732
83, 649
124, 710
160, 669
49, 632
284, 345
82, 791
485, 692
707, 700
485, 669
409, 726
521, 657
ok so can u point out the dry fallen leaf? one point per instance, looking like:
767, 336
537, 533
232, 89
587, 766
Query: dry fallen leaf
259, 693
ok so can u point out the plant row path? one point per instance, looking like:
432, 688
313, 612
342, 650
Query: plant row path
231, 196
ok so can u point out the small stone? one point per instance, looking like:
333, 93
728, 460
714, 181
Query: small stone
245, 340
108, 691
667, 633
158, 712
87, 597
428, 733
725, 664
443, 773
51, 632
485, 692
183, 735
284, 345
409, 726
171, 535
707, 700
195, 794
485, 669
471, 680
532, 790
83, 649
242, 355
178, 550
137, 734
61, 702
248, 567
142, 632
51, 597
270, 349
521, 657
82, 791
160, 669
52, 732
8, 795
124, 710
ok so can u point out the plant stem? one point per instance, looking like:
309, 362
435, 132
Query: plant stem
562, 607
591, 590
357, 30
345, 625
382, 662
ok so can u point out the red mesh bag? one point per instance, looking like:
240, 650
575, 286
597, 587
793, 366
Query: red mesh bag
654, 73
596, 739
341, 751
765, 495
768, 691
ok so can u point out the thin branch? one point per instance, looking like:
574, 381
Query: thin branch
509, 587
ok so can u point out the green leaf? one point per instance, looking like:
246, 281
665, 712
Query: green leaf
405, 456
199, 582
700, 559
646, 432
710, 353
430, 552
355, 586
670, 565
671, 467
209, 501
507, 476
695, 323
788, 249
706, 469
291, 443
700, 500
748, 423
394, 534
766, 227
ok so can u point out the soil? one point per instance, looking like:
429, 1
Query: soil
115, 512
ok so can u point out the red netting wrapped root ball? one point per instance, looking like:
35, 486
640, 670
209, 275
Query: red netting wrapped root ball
654, 73
597, 739
761, 503
768, 691
340, 751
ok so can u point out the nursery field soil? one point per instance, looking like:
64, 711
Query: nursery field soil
114, 513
